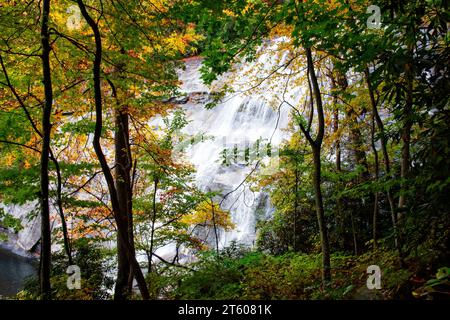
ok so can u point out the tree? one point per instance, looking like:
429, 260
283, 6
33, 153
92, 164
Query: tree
122, 226
127, 73
46, 131
316, 144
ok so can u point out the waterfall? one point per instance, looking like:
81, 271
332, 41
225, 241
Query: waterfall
237, 123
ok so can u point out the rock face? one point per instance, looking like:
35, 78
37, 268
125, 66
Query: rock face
29, 236
26, 239
192, 97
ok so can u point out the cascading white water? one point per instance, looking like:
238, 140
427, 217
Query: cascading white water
239, 121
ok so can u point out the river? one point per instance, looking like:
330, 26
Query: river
14, 270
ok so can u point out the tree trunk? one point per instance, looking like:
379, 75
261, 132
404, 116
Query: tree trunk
354, 236
45, 261
375, 221
153, 222
387, 166
316, 146
326, 269
121, 226
67, 246
377, 169
406, 137
338, 142
216, 235
295, 246
122, 178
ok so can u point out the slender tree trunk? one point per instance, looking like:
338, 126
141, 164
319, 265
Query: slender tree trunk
295, 246
316, 148
121, 226
149, 261
122, 177
406, 137
123, 182
131, 239
216, 235
45, 262
377, 169
354, 235
375, 222
67, 246
387, 166
326, 268
153, 222
130, 196
338, 142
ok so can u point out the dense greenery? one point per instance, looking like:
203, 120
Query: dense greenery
362, 180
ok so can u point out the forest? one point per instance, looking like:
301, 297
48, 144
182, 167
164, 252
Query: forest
225, 150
